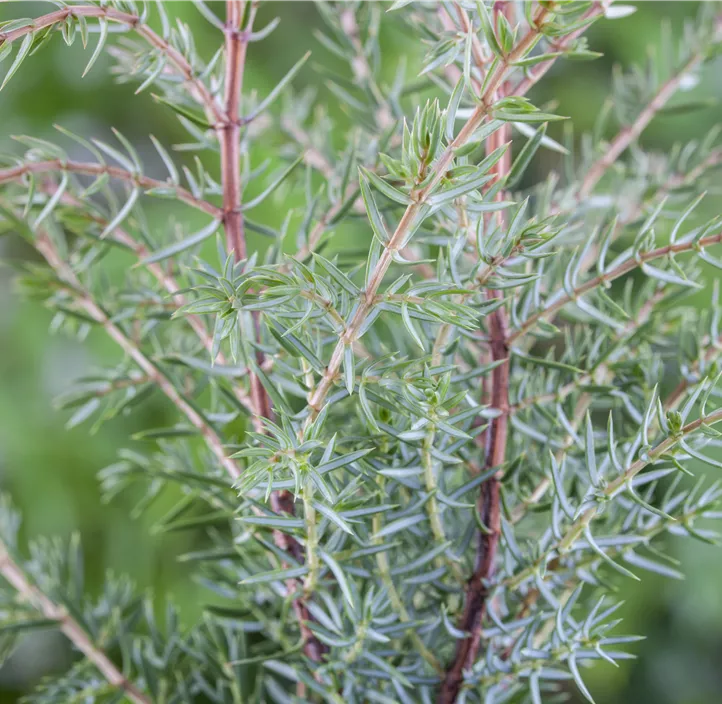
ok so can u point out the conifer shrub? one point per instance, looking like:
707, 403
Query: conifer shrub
428, 417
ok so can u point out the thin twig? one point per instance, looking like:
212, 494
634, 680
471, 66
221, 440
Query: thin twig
583, 404
363, 74
711, 353
525, 84
282, 502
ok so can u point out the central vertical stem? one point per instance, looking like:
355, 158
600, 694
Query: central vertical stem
488, 503
229, 131
229, 137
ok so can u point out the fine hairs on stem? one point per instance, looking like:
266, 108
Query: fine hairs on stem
429, 398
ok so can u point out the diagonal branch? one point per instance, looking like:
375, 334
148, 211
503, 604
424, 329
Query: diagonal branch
72, 630
410, 216
179, 62
669, 404
169, 283
414, 210
83, 298
637, 260
92, 169
617, 485
630, 133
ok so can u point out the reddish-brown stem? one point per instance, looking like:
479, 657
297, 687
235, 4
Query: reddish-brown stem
73, 631
282, 502
229, 132
488, 508
488, 501
229, 136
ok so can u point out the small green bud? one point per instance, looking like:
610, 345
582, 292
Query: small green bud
674, 418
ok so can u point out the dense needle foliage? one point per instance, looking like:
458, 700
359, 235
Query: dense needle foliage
419, 461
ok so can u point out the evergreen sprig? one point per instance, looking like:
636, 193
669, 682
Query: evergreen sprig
418, 466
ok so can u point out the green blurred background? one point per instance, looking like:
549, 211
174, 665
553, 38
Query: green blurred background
50, 471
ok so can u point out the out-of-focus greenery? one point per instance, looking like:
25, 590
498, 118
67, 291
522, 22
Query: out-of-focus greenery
50, 471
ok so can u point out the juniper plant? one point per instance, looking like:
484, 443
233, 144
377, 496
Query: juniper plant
419, 463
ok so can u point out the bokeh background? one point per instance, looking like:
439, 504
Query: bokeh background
51, 472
